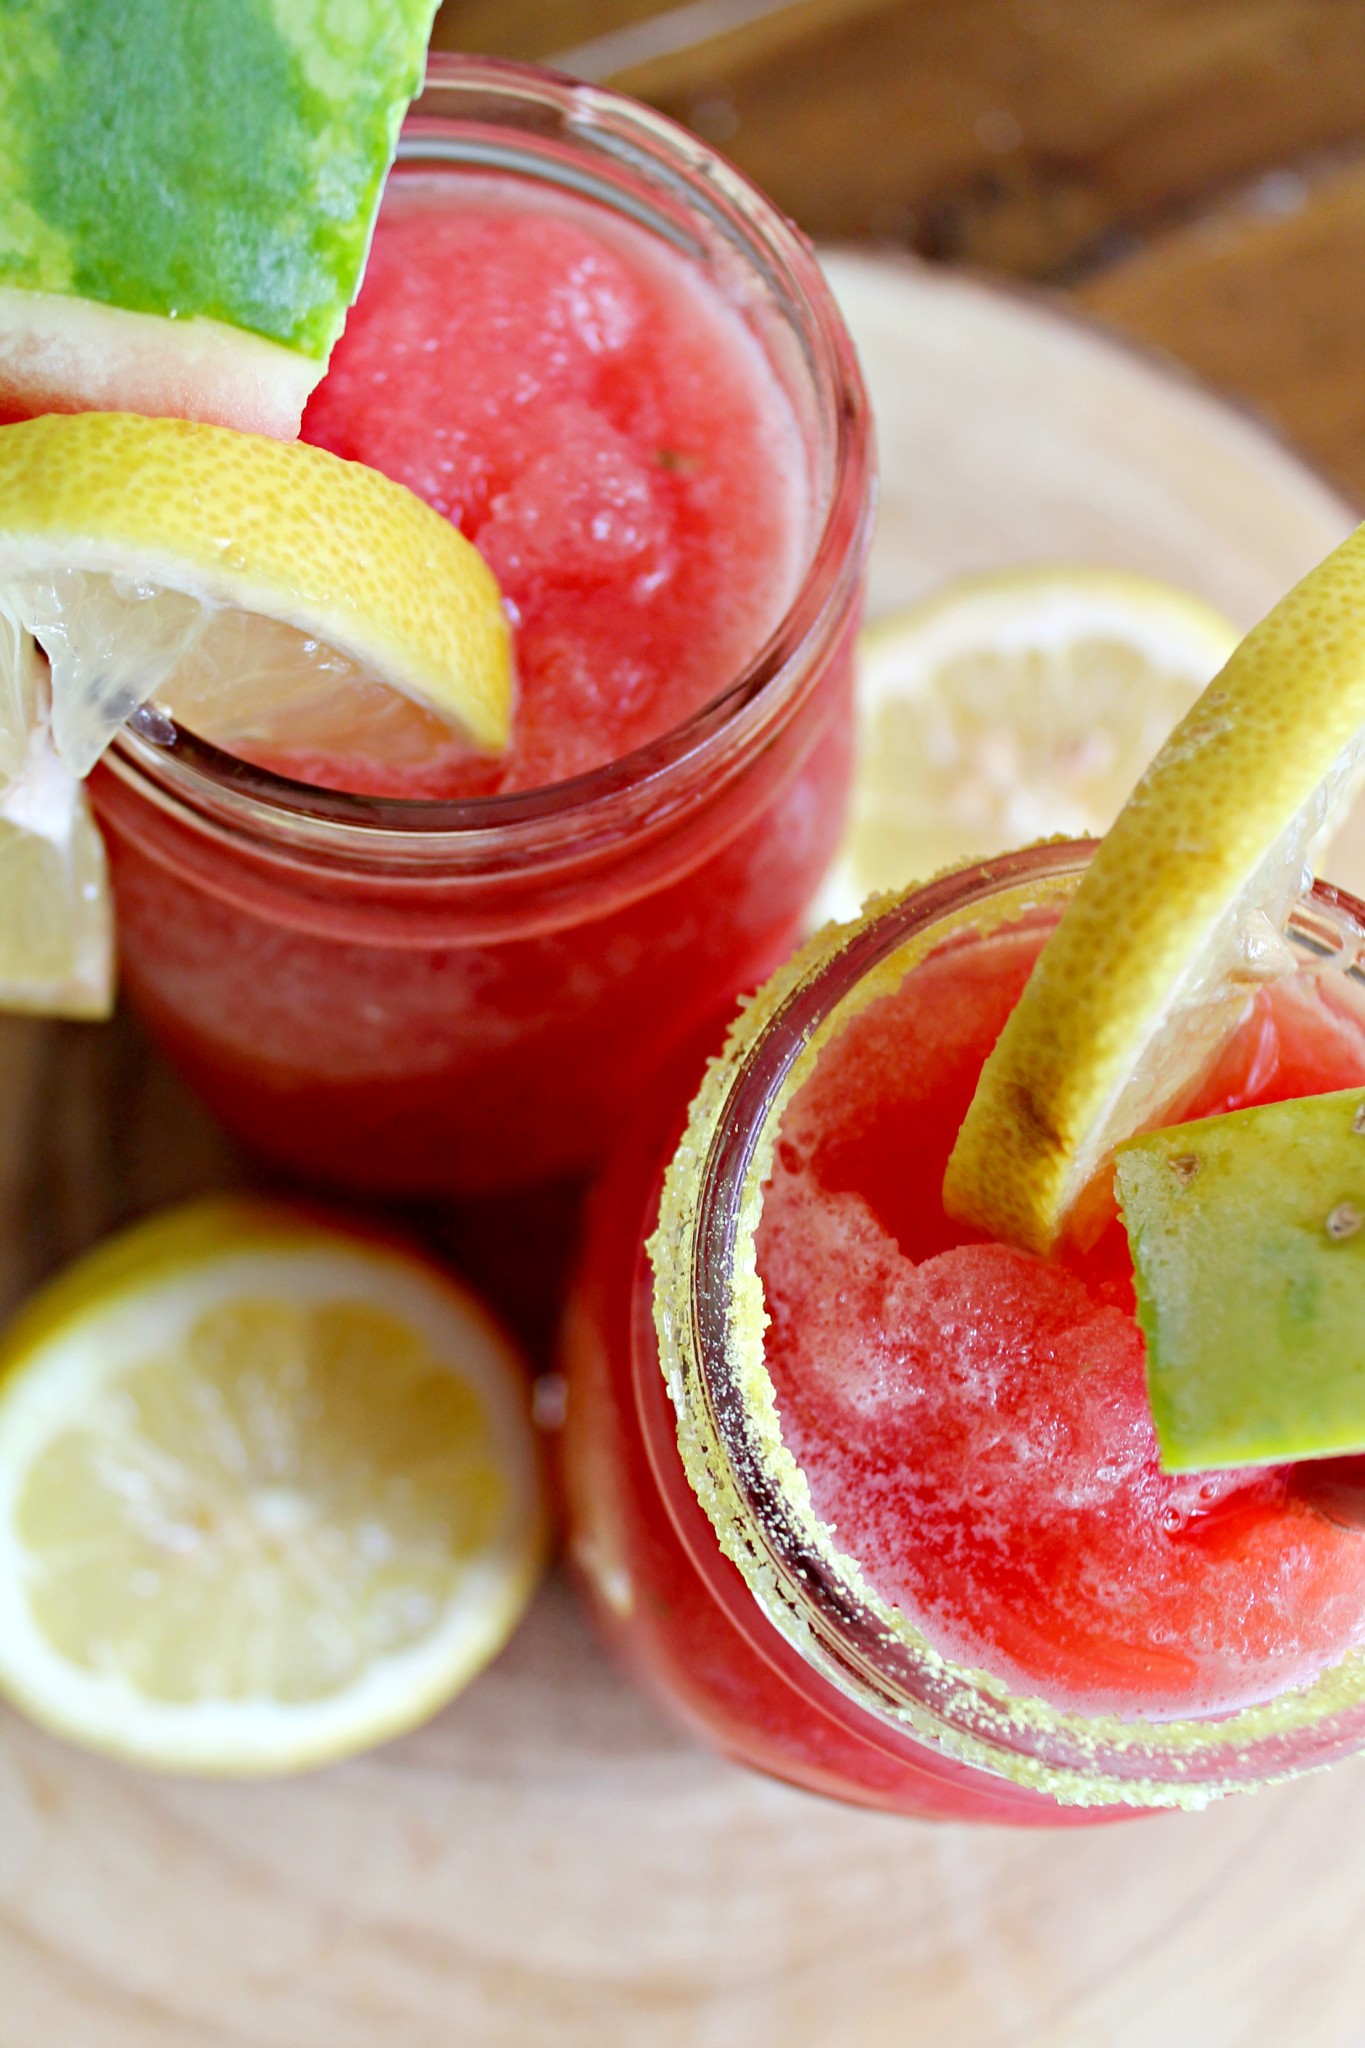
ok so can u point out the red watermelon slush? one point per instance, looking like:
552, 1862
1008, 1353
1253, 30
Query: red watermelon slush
460, 972
974, 1420
608, 434
971, 1420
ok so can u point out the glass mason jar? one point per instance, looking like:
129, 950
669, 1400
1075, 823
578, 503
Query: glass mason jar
706, 1565
416, 996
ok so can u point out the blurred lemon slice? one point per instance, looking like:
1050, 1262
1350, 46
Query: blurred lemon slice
1181, 912
1009, 707
268, 1493
56, 924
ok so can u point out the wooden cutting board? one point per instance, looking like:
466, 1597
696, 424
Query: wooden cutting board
548, 1865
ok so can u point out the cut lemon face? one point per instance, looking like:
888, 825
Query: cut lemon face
1181, 912
1010, 707
268, 1493
252, 579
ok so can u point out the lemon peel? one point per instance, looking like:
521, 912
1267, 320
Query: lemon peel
1180, 914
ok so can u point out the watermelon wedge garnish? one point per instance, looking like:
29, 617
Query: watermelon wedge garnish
187, 193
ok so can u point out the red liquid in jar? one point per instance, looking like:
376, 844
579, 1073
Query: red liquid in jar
973, 1420
604, 427
601, 415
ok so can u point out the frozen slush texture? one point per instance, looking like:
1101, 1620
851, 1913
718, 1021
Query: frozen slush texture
973, 1420
602, 423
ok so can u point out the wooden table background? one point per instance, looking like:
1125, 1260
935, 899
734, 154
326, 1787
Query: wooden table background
1192, 171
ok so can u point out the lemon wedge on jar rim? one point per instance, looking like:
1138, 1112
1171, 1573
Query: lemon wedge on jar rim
256, 589
1180, 914
268, 1493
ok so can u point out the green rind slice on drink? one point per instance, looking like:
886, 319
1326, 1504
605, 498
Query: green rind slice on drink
1248, 1239
187, 193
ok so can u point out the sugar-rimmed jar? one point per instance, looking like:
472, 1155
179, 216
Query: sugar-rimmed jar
694, 1534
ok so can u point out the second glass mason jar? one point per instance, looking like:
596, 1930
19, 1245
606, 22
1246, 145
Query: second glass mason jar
704, 1560
420, 996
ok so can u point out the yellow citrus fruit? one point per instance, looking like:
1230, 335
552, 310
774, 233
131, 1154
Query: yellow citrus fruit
1180, 914
1007, 707
56, 922
137, 549
268, 1493
262, 592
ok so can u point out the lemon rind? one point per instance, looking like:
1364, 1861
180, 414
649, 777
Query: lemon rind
1259, 768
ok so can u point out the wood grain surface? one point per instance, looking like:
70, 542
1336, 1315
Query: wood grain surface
548, 1865
1028, 135
1192, 170
1265, 296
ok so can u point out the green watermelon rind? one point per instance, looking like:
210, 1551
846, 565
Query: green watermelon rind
193, 161
1250, 1290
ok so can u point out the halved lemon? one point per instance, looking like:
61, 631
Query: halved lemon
268, 594
1008, 707
268, 1493
1181, 912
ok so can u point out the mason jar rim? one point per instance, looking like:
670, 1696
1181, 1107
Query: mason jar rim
179, 769
709, 1319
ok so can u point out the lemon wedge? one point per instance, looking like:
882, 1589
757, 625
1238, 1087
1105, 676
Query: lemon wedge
265, 593
268, 1493
1008, 707
1181, 912
164, 558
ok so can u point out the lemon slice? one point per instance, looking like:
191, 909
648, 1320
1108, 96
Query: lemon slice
1009, 707
268, 1493
1181, 912
56, 926
208, 568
